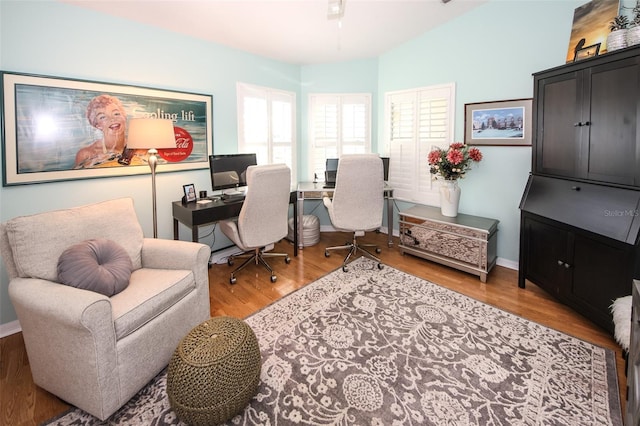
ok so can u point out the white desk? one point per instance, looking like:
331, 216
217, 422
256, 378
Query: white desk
314, 191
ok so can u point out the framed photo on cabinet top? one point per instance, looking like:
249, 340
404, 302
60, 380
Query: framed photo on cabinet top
587, 52
502, 123
59, 129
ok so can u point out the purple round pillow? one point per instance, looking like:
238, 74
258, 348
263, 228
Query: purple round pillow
99, 265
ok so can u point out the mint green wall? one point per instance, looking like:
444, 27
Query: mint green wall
490, 53
51, 38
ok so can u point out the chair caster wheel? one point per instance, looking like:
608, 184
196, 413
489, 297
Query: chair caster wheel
344, 269
287, 260
378, 250
273, 278
232, 280
230, 262
380, 266
326, 253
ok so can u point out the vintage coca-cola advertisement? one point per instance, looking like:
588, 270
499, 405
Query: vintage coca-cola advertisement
61, 129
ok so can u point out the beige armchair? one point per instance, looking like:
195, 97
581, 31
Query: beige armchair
91, 350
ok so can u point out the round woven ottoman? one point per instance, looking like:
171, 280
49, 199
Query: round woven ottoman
214, 372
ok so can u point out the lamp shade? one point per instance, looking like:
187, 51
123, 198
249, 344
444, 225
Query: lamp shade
147, 133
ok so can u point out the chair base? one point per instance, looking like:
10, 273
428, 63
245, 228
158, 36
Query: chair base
354, 248
258, 257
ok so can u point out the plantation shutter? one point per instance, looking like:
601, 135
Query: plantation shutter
416, 121
338, 124
266, 125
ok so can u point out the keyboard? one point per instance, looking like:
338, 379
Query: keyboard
233, 198
232, 192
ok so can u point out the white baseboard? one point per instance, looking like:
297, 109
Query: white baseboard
507, 263
221, 256
10, 328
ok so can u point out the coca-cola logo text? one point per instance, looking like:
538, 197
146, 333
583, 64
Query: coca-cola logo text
184, 146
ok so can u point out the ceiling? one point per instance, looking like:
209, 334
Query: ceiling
292, 31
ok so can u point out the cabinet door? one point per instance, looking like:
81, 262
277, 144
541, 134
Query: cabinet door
602, 272
612, 103
549, 256
558, 113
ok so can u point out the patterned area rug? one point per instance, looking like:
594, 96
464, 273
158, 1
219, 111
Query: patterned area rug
373, 347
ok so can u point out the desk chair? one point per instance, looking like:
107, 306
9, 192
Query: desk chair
357, 202
264, 216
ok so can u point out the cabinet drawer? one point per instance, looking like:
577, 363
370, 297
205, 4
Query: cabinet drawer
462, 244
611, 212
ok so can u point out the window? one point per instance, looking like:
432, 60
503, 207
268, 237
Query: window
266, 125
338, 124
417, 120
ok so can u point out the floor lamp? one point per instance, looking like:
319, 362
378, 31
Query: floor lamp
151, 134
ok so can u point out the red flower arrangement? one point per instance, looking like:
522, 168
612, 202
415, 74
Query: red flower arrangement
453, 163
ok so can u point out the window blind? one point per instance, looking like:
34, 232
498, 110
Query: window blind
417, 120
338, 124
266, 125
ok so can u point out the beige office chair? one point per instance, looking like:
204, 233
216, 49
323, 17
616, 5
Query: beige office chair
264, 217
357, 202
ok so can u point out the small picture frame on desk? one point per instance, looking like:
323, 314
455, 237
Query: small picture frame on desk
189, 193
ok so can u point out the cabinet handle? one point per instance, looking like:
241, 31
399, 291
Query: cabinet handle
578, 124
587, 123
560, 263
567, 266
575, 188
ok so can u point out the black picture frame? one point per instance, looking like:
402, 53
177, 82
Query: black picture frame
498, 123
587, 52
189, 193
47, 121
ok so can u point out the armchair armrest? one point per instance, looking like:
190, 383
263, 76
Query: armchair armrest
69, 336
173, 254
47, 299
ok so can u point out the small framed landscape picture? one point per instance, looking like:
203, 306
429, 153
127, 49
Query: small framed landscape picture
189, 193
506, 123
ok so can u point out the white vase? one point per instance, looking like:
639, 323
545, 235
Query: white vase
449, 198
633, 35
617, 40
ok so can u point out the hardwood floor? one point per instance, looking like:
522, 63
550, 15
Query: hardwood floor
23, 403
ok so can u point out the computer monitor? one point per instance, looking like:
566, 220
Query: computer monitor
330, 171
331, 165
230, 170
331, 168
385, 165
